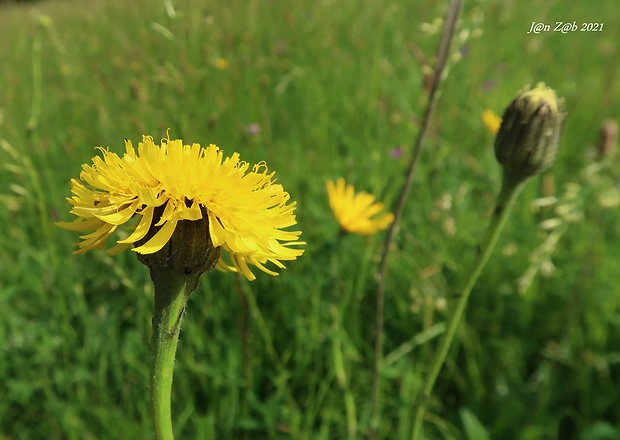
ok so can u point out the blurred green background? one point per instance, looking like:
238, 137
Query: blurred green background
318, 89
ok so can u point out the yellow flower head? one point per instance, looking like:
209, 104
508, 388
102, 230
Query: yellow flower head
221, 64
162, 185
491, 121
354, 212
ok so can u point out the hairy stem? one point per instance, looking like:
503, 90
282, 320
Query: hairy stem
170, 299
505, 200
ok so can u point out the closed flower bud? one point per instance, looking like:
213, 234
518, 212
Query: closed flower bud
608, 139
527, 141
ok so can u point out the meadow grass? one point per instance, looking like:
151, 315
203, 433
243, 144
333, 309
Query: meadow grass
334, 88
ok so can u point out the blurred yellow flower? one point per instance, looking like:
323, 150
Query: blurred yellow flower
136, 66
354, 212
491, 121
165, 184
221, 64
45, 21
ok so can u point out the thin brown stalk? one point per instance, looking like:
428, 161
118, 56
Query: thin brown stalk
443, 51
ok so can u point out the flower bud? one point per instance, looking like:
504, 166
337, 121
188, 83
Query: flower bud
608, 139
527, 141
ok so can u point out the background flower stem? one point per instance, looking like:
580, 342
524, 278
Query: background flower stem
505, 200
443, 50
171, 295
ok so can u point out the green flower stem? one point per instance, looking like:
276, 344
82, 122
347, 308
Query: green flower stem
37, 86
171, 293
511, 187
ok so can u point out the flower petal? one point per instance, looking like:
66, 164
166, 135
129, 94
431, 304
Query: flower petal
159, 240
141, 229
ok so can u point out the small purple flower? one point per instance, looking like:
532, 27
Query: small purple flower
281, 48
488, 85
252, 129
397, 152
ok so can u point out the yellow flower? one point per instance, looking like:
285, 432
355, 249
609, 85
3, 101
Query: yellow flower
164, 185
491, 121
354, 212
221, 64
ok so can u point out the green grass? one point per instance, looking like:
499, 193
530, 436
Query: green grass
334, 88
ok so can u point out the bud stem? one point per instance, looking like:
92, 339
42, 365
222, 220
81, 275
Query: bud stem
171, 295
511, 188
